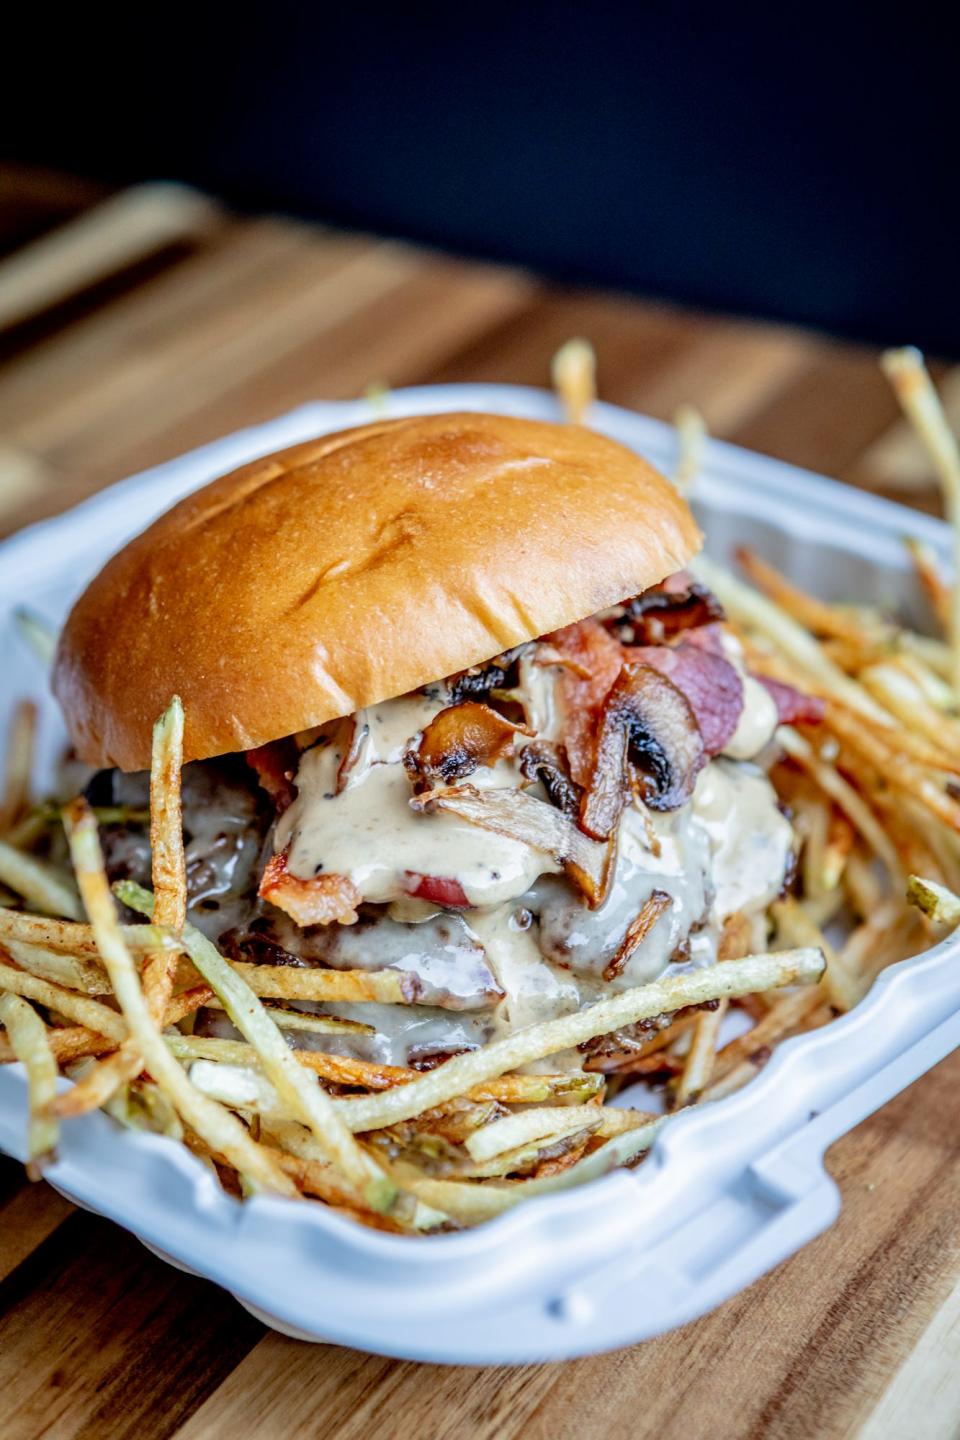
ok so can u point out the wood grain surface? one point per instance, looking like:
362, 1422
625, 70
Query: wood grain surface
857, 1336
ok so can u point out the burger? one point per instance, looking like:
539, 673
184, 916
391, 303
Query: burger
455, 707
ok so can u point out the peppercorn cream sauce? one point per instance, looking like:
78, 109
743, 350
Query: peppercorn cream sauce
726, 851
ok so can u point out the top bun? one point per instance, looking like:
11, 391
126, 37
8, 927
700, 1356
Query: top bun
354, 568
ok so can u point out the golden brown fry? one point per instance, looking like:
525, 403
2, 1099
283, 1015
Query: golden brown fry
700, 1059
932, 582
909, 377
733, 977
812, 614
28, 1038
574, 376
691, 440
840, 790
838, 849
218, 1126
38, 883
288, 982
19, 768
168, 867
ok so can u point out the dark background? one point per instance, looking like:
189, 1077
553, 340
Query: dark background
791, 161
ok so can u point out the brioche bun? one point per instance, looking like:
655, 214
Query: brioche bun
353, 568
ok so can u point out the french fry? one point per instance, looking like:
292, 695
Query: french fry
463, 1072
222, 1130
287, 982
168, 866
932, 582
297, 1091
19, 767
38, 883
914, 389
79, 1008
691, 442
698, 1066
573, 372
935, 901
28, 1037
70, 937
526, 1125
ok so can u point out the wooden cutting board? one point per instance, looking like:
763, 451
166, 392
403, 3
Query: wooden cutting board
155, 322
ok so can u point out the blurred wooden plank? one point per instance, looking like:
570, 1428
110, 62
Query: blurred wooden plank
824, 419
28, 1214
897, 459
98, 1338
111, 236
923, 1399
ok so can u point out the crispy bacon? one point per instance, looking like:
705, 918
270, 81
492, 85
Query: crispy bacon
711, 685
317, 901
598, 657
437, 889
458, 740
792, 705
276, 766
658, 615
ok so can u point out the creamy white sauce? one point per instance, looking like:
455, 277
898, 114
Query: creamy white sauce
370, 832
758, 718
727, 851
750, 841
533, 989
542, 696
670, 853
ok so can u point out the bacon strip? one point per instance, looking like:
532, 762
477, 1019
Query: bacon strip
276, 765
793, 706
598, 656
317, 901
709, 683
437, 889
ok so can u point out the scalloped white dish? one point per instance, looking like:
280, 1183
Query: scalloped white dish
728, 1191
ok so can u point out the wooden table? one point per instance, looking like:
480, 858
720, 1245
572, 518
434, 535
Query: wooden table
233, 320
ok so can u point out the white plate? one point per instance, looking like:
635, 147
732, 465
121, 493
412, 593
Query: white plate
729, 1190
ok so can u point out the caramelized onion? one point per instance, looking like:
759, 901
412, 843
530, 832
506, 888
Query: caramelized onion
541, 761
529, 821
317, 901
458, 740
648, 718
793, 706
637, 931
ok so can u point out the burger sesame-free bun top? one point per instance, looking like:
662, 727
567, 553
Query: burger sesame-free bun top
353, 568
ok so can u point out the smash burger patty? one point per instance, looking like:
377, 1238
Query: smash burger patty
453, 707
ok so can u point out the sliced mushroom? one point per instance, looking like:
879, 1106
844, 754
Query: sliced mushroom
542, 761
648, 720
458, 740
530, 821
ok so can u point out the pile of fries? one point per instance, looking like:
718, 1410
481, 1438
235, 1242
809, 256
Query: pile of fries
874, 792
